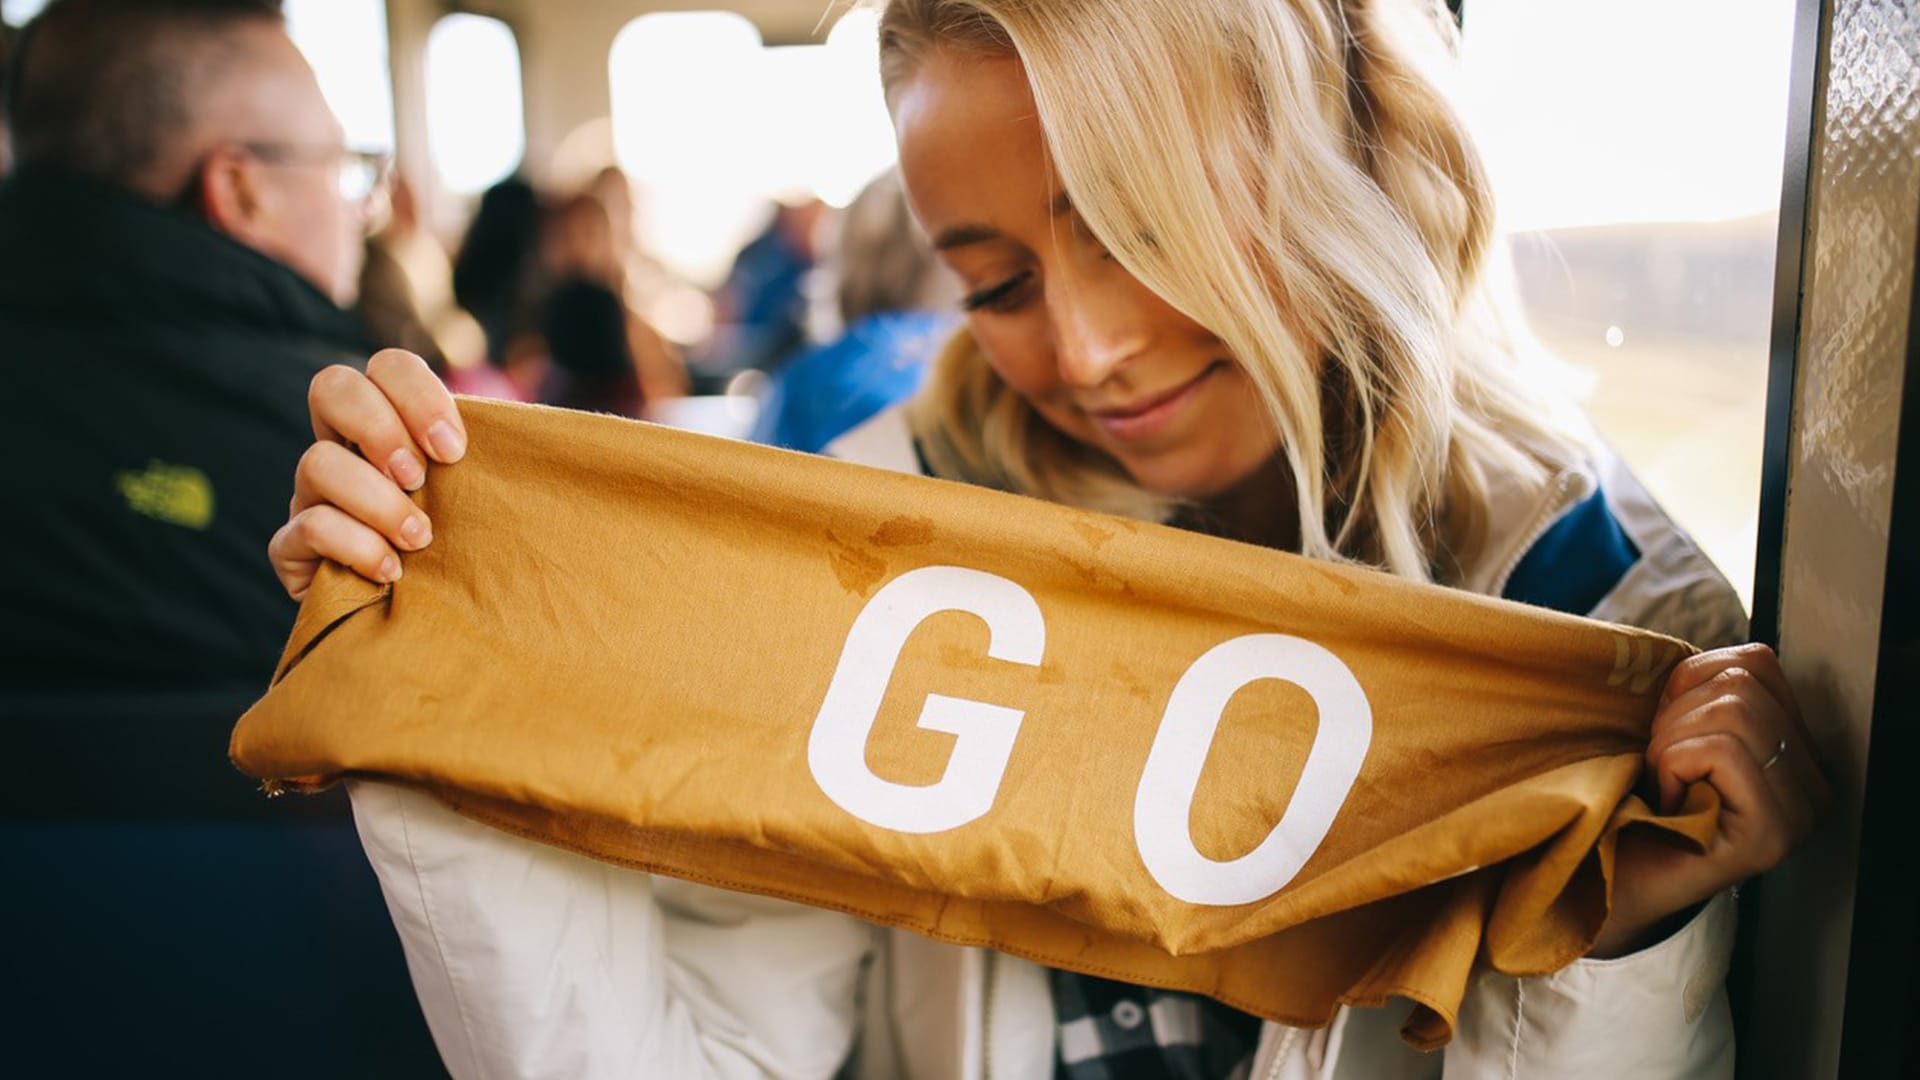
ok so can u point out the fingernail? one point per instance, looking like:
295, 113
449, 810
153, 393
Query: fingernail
406, 469
416, 533
390, 569
446, 442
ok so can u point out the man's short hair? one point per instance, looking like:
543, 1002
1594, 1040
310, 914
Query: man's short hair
104, 88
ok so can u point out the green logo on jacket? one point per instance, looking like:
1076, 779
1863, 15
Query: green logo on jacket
177, 494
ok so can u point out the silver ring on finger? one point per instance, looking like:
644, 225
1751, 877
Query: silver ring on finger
1778, 753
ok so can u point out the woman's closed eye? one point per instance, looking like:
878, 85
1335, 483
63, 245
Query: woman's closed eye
1005, 296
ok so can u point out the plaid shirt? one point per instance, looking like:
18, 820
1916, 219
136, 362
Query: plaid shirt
1116, 1031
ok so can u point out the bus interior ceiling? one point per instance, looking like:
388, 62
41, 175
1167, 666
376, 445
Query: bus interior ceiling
564, 49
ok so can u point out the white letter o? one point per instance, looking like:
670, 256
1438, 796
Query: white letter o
1164, 802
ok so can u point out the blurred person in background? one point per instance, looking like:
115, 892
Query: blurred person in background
584, 319
406, 301
604, 356
498, 276
611, 188
182, 224
663, 371
763, 302
897, 308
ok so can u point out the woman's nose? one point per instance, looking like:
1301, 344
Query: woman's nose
1098, 329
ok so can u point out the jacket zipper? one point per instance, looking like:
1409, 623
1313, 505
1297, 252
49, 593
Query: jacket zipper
1288, 1033
1556, 507
986, 1016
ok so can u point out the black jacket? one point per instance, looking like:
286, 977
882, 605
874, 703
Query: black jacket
153, 381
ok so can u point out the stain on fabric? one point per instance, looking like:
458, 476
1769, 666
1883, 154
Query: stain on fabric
1346, 586
903, 532
1095, 536
963, 658
859, 571
1130, 681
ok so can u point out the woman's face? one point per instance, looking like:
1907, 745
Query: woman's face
1103, 359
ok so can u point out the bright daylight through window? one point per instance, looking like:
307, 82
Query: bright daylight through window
17, 12
346, 42
712, 124
476, 122
1637, 150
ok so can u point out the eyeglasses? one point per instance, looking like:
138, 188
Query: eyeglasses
360, 174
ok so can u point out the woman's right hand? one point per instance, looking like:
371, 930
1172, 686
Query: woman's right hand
374, 434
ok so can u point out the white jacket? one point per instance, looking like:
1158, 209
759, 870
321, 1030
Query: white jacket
535, 962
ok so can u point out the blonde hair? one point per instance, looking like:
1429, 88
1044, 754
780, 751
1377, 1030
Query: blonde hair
1340, 248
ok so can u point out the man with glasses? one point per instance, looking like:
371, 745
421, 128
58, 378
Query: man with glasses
182, 224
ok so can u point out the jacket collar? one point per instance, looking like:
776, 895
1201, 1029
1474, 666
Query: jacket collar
1517, 517
79, 248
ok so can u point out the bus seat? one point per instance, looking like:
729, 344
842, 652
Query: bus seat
162, 917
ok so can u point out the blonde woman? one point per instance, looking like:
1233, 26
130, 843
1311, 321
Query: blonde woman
1225, 264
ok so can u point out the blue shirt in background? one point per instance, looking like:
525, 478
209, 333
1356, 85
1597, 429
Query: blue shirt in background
826, 392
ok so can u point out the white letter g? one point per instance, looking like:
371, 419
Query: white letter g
837, 748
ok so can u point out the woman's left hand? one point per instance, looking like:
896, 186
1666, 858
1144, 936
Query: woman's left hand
1727, 718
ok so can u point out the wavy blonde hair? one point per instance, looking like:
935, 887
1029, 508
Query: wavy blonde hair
1340, 246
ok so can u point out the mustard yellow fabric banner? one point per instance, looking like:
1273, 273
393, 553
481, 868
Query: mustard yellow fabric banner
1108, 746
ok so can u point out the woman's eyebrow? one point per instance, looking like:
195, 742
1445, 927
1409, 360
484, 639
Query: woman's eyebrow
962, 235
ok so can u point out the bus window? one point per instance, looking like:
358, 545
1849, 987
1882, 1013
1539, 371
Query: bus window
712, 125
346, 42
1637, 149
476, 121
17, 12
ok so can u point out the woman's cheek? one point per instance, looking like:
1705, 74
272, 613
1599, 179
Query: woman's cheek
1022, 366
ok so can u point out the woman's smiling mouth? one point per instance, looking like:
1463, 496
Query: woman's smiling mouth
1148, 417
